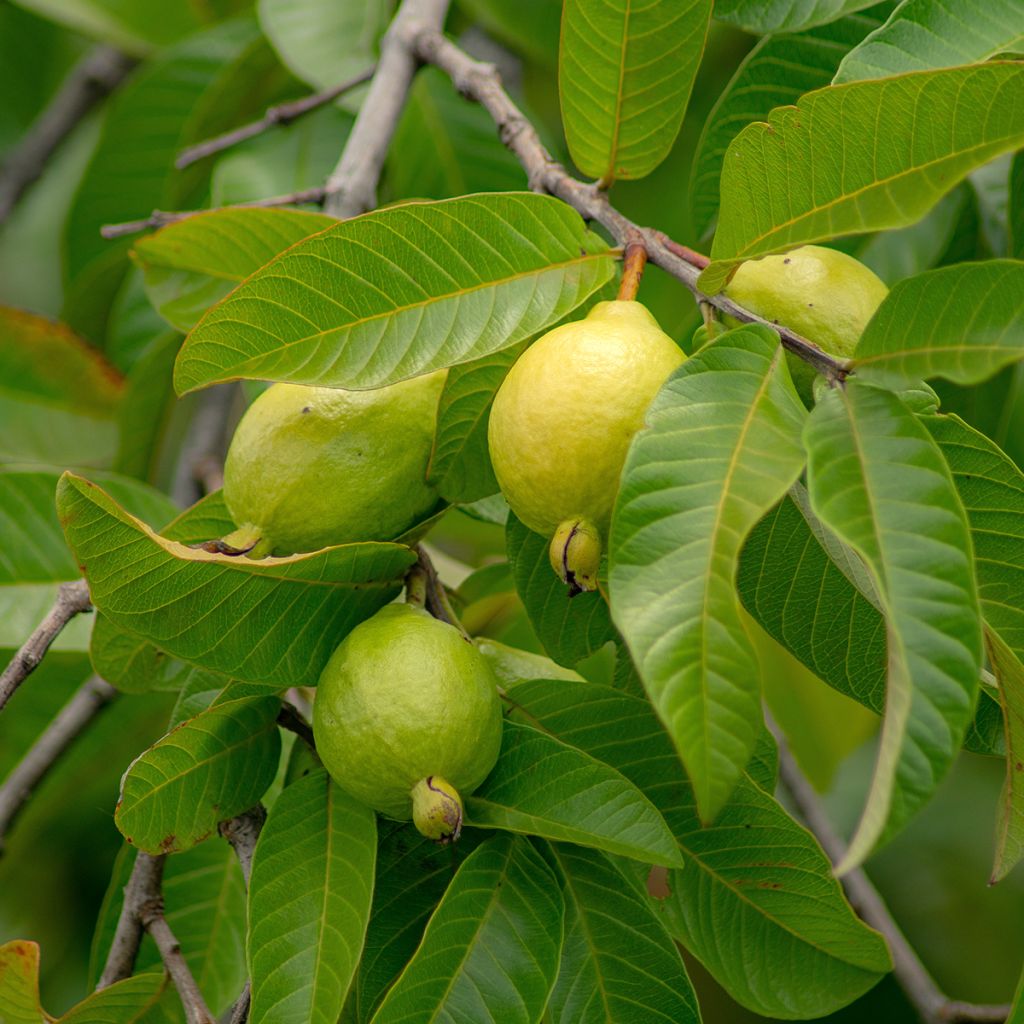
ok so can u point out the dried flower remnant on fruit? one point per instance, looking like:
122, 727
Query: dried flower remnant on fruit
437, 809
575, 554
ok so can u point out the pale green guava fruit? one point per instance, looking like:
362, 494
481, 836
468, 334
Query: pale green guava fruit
823, 294
309, 467
407, 703
562, 422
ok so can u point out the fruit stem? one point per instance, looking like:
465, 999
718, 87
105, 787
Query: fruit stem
633, 262
435, 595
416, 586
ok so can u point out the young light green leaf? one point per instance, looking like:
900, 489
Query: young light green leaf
619, 965
208, 517
503, 908
19, 982
274, 621
756, 891
625, 74
923, 34
777, 71
838, 162
209, 768
721, 447
570, 628
401, 291
191, 265
542, 787
309, 901
124, 1002
878, 480
761, 16
963, 323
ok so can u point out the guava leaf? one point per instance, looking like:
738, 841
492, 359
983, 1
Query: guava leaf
128, 1000
777, 71
625, 74
399, 292
721, 446
879, 481
542, 787
756, 890
191, 265
570, 629
273, 621
208, 517
923, 34
962, 323
309, 901
19, 983
861, 157
504, 907
1015, 213
619, 965
1009, 671
761, 16
208, 769
204, 903
129, 662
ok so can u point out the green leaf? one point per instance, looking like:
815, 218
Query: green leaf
625, 74
877, 479
760, 16
19, 983
923, 34
444, 146
208, 769
511, 664
490, 951
1015, 214
619, 965
192, 264
777, 71
208, 517
309, 901
460, 465
756, 890
274, 621
570, 629
130, 663
861, 157
1010, 815
122, 1003
408, 289
413, 873
542, 787
963, 323
322, 42
721, 447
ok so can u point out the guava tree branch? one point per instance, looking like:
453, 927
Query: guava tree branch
932, 1005
72, 599
283, 113
97, 74
352, 186
91, 698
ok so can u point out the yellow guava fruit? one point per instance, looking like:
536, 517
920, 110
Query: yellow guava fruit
823, 294
407, 717
309, 467
562, 422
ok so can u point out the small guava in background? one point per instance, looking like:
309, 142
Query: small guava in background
407, 710
824, 295
562, 422
310, 467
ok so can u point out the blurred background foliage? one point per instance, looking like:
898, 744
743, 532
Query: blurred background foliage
199, 75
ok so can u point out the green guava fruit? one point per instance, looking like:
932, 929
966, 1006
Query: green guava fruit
823, 294
562, 422
310, 467
407, 717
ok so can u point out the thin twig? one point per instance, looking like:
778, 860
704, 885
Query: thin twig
72, 599
289, 718
161, 218
932, 1005
143, 885
241, 832
96, 75
283, 113
240, 1011
437, 602
352, 186
151, 915
94, 695
633, 261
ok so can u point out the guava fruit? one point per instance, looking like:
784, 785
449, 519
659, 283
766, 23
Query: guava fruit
407, 717
309, 467
823, 294
562, 422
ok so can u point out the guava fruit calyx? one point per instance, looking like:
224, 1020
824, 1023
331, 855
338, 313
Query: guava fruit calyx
437, 809
575, 554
